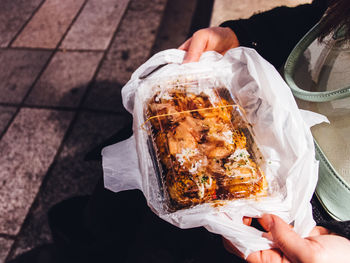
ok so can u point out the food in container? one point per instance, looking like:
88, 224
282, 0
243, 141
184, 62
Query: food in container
202, 145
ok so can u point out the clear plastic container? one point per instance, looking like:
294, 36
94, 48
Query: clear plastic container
201, 145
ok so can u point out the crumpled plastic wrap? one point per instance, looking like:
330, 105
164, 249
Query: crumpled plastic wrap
282, 132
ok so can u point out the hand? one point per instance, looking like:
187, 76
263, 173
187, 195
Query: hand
219, 39
321, 246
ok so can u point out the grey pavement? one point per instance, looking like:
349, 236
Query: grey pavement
62, 66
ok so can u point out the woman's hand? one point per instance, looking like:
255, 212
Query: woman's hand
321, 246
219, 39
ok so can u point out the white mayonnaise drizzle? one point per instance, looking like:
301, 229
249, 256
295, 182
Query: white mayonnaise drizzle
186, 154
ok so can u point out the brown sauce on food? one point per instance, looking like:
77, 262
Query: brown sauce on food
205, 155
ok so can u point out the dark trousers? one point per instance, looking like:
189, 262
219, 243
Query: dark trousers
120, 227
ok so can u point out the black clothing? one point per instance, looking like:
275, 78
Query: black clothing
341, 228
120, 227
275, 33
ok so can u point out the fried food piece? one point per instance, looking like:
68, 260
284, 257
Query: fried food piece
204, 147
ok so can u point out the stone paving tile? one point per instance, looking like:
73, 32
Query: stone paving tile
48, 25
170, 34
26, 152
130, 48
70, 175
105, 95
13, 15
64, 81
95, 25
18, 70
5, 246
6, 114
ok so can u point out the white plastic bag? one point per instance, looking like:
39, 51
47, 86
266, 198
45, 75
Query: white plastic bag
283, 136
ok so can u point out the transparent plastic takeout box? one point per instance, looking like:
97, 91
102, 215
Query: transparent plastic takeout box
200, 142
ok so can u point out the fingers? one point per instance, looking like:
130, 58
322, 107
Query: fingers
196, 47
185, 45
290, 243
267, 256
219, 39
319, 230
247, 220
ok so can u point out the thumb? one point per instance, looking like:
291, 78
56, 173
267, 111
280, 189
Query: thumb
290, 243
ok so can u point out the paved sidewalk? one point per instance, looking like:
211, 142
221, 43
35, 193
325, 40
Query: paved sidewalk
62, 66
